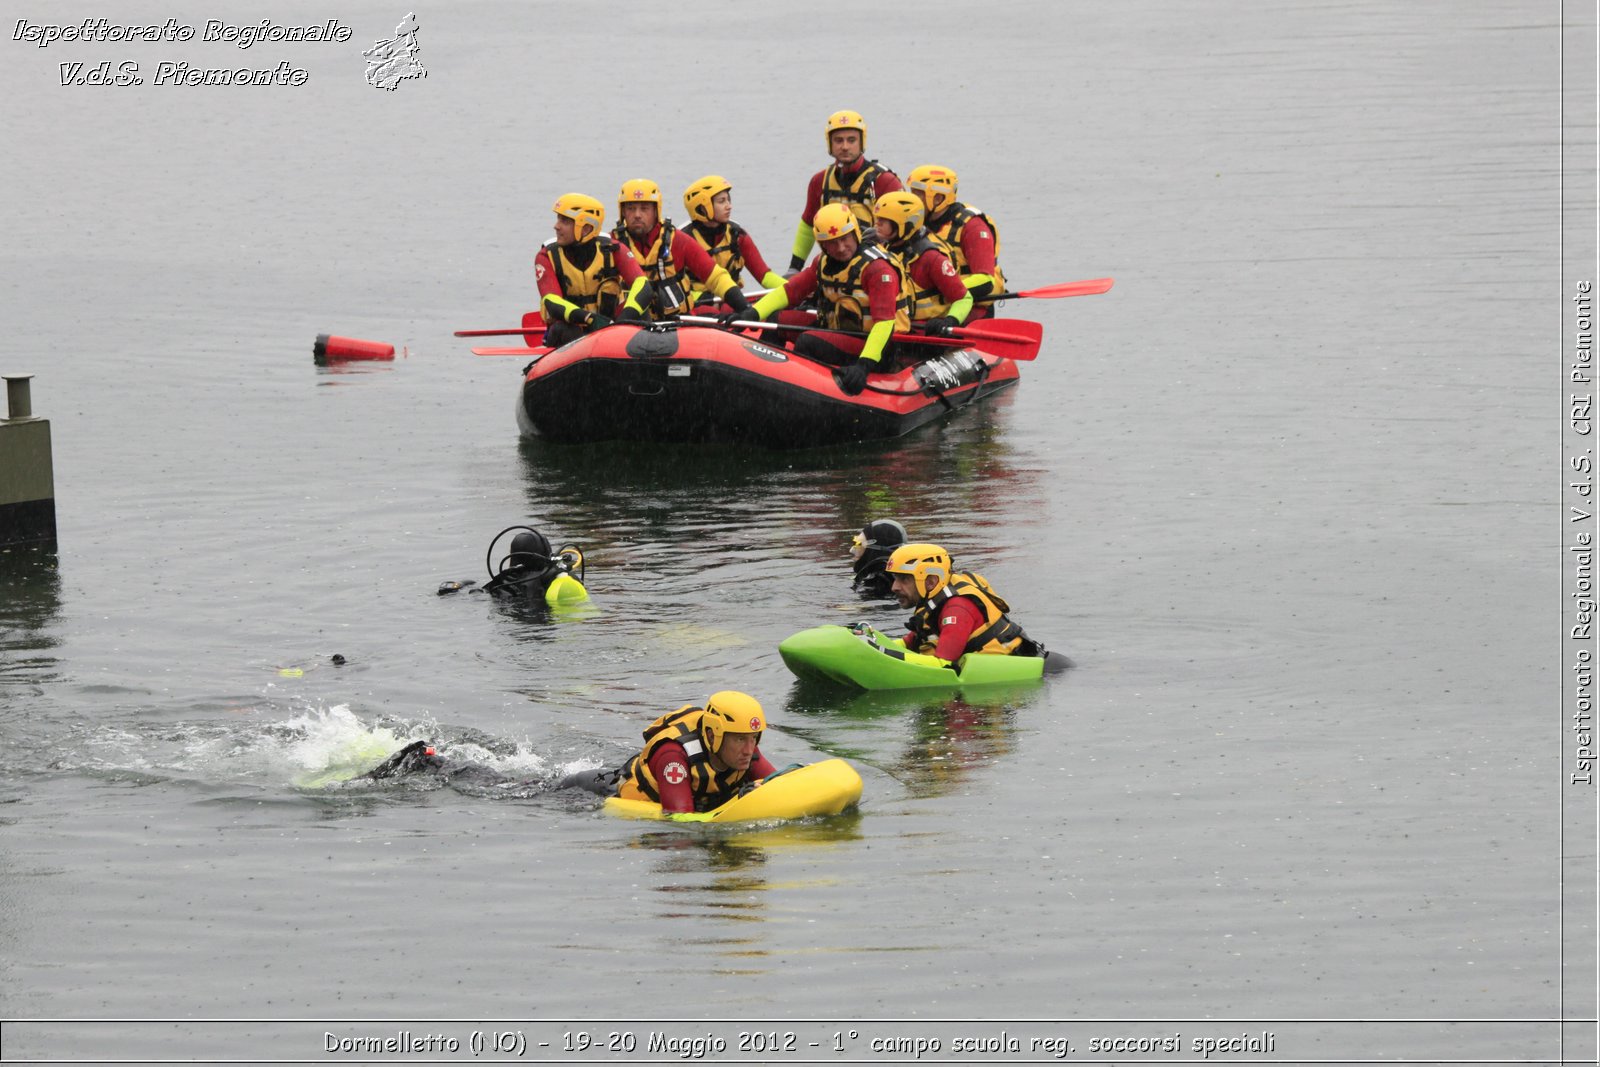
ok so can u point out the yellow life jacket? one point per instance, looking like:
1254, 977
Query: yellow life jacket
949, 226
842, 302
712, 788
668, 278
997, 634
597, 287
858, 194
723, 248
925, 303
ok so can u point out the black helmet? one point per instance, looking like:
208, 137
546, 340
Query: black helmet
530, 548
870, 550
885, 533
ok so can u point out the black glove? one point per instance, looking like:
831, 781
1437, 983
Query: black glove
748, 313
796, 265
943, 326
853, 379
631, 315
596, 321
735, 299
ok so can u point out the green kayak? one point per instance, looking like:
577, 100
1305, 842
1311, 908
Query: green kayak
872, 660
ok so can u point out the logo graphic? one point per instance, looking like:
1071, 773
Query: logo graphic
755, 725
675, 773
393, 61
765, 353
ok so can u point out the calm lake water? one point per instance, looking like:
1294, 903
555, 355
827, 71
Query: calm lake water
1286, 495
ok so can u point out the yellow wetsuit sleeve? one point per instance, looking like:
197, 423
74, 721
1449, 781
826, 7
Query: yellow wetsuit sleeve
719, 282
804, 240
773, 280
961, 308
774, 301
633, 294
877, 337
924, 659
978, 285
561, 309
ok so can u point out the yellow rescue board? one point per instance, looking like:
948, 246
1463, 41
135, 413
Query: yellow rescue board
825, 788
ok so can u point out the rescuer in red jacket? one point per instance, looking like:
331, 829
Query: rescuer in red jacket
851, 179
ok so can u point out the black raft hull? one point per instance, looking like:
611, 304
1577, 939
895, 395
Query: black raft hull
693, 385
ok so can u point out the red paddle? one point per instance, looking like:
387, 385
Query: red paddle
1055, 292
1003, 330
998, 343
510, 351
530, 321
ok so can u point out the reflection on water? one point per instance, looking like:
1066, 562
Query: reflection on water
720, 874
951, 741
350, 369
30, 606
931, 741
748, 497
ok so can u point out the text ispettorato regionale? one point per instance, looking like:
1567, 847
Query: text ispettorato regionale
104, 31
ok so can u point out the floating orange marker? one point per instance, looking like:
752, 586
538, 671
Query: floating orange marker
327, 349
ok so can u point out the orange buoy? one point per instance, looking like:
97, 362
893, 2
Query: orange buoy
329, 348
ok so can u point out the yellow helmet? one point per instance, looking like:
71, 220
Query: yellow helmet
921, 561
936, 184
640, 191
833, 221
847, 120
588, 215
903, 209
697, 198
731, 712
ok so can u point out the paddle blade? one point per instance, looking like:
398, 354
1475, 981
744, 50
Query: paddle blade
996, 344
1086, 288
1005, 347
1004, 330
510, 351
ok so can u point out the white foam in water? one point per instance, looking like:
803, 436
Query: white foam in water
336, 745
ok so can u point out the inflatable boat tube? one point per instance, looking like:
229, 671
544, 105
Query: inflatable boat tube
693, 385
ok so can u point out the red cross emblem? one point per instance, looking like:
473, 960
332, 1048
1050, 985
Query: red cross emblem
675, 773
755, 724
638, 194
832, 231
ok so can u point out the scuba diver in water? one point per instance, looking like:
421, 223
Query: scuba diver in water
530, 573
413, 758
869, 551
694, 759
955, 612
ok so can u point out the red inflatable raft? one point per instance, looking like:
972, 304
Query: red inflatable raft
693, 384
